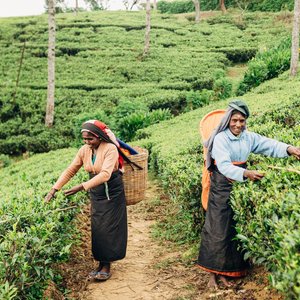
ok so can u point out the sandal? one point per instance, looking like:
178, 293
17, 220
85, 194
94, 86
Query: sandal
92, 275
102, 276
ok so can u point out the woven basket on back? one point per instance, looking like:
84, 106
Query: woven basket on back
135, 180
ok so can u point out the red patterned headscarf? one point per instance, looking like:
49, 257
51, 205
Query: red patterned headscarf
101, 130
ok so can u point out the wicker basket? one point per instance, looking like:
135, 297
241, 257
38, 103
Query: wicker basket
135, 180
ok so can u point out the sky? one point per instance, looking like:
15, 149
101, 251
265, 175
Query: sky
10, 8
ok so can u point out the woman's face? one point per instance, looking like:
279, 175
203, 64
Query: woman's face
91, 140
237, 124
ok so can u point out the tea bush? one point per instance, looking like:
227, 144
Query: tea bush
33, 234
266, 65
129, 125
99, 66
5, 161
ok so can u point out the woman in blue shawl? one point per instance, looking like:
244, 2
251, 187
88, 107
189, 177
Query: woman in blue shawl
228, 149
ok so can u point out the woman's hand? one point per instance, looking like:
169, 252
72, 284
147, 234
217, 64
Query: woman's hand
50, 195
74, 190
294, 151
253, 175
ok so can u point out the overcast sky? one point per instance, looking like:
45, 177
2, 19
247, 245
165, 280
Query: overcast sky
10, 8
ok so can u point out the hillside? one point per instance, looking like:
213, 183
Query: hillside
100, 72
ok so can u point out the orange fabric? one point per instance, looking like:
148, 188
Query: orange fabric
125, 151
205, 186
208, 123
230, 274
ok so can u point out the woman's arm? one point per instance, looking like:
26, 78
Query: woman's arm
266, 146
295, 151
50, 195
65, 176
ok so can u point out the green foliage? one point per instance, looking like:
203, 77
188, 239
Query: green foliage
33, 234
7, 291
237, 54
271, 5
130, 124
177, 7
271, 218
99, 73
98, 78
222, 88
266, 65
197, 99
5, 161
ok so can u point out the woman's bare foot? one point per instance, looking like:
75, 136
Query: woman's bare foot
225, 281
212, 283
105, 267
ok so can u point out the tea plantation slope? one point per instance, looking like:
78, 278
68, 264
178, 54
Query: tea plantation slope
99, 70
34, 235
267, 212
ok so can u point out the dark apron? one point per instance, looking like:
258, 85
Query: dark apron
109, 219
218, 250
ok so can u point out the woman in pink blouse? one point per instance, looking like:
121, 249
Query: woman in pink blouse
102, 159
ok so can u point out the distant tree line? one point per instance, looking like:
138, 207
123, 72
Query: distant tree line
183, 6
62, 6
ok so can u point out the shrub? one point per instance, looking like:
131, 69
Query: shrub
129, 125
222, 88
175, 7
238, 55
198, 99
8, 291
266, 65
5, 161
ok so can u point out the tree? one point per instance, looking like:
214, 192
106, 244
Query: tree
51, 64
76, 6
222, 6
243, 4
148, 26
154, 5
128, 4
97, 4
60, 6
295, 40
197, 10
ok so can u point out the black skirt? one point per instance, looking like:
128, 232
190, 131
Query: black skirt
109, 219
218, 250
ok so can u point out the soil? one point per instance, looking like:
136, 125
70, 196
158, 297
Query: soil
152, 269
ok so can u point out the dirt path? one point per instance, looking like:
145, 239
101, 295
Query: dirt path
131, 278
152, 270
136, 276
